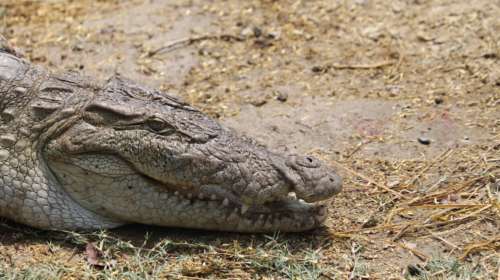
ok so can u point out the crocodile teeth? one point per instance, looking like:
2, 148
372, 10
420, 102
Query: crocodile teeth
225, 202
201, 196
213, 197
244, 208
292, 195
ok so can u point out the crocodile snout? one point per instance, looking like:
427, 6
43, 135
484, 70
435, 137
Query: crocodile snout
317, 180
326, 187
310, 179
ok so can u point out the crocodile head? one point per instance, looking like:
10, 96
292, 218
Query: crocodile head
136, 155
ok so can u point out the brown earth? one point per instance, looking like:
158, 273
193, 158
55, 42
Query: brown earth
356, 83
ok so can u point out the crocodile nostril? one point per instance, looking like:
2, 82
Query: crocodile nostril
307, 161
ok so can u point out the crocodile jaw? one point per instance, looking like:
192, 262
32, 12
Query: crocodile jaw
129, 197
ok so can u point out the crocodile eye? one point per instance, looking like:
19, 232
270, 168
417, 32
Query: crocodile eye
156, 125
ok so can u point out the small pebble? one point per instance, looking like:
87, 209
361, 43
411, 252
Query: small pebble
258, 102
393, 184
317, 69
273, 34
282, 96
77, 48
263, 43
490, 55
247, 32
414, 270
424, 141
371, 222
257, 32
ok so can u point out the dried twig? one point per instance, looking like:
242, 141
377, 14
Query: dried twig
458, 229
430, 198
435, 236
191, 40
360, 66
458, 220
439, 158
447, 206
357, 148
401, 232
493, 243
370, 181
348, 233
415, 252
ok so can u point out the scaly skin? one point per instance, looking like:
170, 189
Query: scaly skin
77, 155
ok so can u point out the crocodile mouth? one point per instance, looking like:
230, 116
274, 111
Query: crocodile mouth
130, 196
289, 213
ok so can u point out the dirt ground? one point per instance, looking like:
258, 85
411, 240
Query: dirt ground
402, 97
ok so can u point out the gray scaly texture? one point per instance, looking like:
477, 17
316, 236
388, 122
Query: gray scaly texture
78, 155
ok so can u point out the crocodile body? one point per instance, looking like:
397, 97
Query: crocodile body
79, 155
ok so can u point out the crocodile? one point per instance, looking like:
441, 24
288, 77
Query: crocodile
78, 154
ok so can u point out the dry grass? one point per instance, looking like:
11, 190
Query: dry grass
432, 215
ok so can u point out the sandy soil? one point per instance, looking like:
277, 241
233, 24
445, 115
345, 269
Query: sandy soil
356, 83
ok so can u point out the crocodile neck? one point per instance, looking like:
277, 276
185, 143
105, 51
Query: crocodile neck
29, 192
